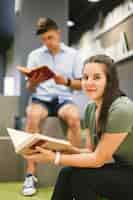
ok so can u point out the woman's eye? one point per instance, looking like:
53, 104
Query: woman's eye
85, 77
97, 77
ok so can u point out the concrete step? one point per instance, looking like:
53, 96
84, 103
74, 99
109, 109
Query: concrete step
11, 164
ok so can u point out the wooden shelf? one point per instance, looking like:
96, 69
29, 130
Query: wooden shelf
4, 138
104, 30
125, 57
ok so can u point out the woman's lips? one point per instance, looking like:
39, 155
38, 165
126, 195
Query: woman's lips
91, 90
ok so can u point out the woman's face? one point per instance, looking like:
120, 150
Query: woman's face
94, 80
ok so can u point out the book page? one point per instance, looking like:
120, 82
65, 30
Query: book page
18, 137
24, 70
24, 142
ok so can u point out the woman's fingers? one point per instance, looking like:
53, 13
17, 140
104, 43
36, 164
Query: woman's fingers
41, 150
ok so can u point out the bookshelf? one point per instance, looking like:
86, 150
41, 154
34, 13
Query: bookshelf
111, 26
127, 56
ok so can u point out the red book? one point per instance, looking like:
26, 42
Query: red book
44, 72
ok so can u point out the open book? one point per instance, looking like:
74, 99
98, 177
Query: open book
25, 143
45, 72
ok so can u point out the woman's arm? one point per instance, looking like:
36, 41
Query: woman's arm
108, 144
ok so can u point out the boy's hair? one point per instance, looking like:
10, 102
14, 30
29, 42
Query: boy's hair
45, 24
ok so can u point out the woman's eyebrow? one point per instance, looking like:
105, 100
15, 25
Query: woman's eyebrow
85, 74
97, 74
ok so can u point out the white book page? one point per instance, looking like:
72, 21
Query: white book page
18, 137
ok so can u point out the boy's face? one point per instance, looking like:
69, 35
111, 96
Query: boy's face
51, 39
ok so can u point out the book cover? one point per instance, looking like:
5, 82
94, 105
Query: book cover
45, 72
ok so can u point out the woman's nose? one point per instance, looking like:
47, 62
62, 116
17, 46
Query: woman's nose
90, 81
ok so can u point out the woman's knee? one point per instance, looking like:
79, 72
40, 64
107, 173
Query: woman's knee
82, 174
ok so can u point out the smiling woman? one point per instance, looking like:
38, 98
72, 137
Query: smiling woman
94, 81
108, 122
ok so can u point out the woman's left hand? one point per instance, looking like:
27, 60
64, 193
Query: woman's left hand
42, 156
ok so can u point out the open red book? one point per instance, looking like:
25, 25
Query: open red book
44, 72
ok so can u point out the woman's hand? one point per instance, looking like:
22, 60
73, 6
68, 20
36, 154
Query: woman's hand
43, 156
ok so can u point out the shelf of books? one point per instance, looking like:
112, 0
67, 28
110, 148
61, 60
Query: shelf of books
127, 55
113, 24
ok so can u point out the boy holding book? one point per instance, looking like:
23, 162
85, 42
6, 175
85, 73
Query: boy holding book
52, 97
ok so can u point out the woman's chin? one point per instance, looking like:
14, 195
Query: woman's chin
92, 96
